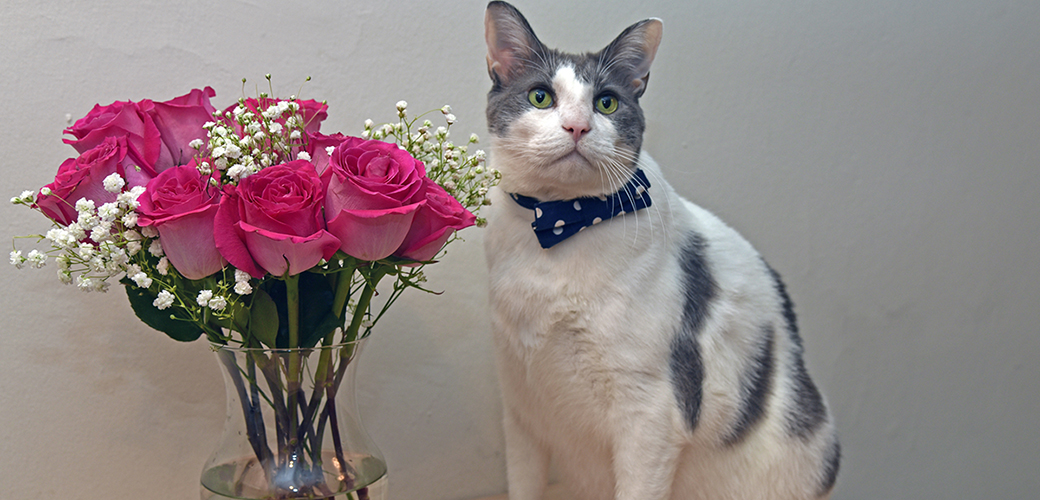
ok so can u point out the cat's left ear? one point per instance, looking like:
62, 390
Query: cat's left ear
634, 50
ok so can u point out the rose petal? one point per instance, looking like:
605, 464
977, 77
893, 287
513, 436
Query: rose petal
251, 229
373, 234
175, 192
188, 242
434, 223
229, 238
120, 119
179, 121
279, 254
83, 177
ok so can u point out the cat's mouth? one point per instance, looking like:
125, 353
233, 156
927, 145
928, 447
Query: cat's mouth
574, 158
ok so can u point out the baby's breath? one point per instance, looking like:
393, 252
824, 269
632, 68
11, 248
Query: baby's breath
243, 141
164, 300
460, 171
114, 183
96, 248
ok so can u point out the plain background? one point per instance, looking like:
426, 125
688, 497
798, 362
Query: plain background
884, 156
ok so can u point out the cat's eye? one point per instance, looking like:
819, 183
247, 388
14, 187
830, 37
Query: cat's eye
606, 104
540, 98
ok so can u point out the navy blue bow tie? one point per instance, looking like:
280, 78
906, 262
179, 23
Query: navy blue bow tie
555, 221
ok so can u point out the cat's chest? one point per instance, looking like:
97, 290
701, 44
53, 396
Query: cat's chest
575, 285
593, 315
573, 350
543, 298
605, 270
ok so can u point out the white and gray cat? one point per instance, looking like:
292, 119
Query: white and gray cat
653, 354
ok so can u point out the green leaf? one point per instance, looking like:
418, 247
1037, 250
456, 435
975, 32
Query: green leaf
317, 318
172, 322
263, 319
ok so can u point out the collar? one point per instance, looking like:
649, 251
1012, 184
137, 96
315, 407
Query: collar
557, 220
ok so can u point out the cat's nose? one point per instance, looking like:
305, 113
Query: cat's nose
577, 128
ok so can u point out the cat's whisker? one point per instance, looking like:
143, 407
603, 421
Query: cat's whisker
620, 175
657, 179
617, 181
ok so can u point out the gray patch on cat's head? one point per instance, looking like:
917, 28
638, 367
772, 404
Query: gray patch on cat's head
518, 63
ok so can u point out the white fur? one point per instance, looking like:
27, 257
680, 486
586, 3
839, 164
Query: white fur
583, 334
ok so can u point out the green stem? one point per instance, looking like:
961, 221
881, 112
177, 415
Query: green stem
324, 373
292, 375
344, 280
346, 356
292, 296
255, 431
361, 310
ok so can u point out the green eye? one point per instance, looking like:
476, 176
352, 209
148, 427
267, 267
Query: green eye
606, 104
540, 98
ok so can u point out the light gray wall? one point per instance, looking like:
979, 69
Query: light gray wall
883, 156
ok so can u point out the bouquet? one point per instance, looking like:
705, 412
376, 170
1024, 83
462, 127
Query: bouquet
251, 227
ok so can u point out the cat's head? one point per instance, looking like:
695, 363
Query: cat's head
565, 125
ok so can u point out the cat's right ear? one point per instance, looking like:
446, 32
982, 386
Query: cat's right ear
633, 51
510, 41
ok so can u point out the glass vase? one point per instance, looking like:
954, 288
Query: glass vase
292, 428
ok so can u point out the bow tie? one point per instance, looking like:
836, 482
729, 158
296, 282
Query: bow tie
555, 221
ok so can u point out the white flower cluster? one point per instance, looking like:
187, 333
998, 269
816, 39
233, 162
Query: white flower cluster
139, 277
215, 299
164, 300
214, 302
98, 245
242, 286
36, 259
461, 173
241, 141
26, 198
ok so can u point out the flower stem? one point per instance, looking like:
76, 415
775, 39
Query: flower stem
292, 375
350, 334
323, 376
292, 298
362, 308
250, 409
344, 280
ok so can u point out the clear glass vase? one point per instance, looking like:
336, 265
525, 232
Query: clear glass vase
292, 428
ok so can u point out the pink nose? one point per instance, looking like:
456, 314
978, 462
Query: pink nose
577, 128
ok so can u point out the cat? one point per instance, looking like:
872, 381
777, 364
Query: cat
653, 355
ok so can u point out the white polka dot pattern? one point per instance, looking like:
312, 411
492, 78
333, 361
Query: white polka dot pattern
557, 220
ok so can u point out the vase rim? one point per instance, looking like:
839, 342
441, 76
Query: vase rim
238, 348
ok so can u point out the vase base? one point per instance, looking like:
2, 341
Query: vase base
245, 480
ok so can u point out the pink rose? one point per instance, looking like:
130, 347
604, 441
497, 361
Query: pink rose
434, 223
271, 222
374, 191
120, 119
84, 176
181, 204
317, 145
157, 133
179, 122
